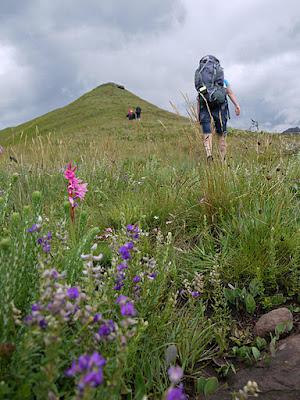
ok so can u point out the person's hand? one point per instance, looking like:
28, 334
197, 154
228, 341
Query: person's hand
237, 110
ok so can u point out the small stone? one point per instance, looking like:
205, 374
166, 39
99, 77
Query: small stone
268, 322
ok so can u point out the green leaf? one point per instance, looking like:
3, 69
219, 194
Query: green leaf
211, 386
256, 287
256, 353
250, 303
273, 346
229, 295
280, 329
200, 385
289, 326
244, 352
283, 327
260, 343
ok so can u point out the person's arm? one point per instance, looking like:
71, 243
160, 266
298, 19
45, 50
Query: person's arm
233, 99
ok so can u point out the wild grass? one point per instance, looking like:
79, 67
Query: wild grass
232, 223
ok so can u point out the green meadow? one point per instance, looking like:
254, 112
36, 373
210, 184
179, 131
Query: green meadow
218, 246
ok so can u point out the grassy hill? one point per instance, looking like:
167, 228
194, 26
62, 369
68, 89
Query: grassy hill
95, 125
100, 111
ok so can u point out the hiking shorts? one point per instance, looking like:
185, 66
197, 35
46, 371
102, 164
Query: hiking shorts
219, 115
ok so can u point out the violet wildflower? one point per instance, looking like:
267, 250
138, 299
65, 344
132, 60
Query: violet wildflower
36, 307
152, 276
107, 331
175, 393
43, 323
128, 310
73, 293
106, 328
46, 248
97, 317
118, 286
124, 252
83, 362
34, 228
89, 369
122, 267
129, 245
58, 302
44, 242
126, 306
175, 374
195, 294
119, 281
133, 231
92, 379
137, 279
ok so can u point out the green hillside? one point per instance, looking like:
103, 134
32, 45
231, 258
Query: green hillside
101, 110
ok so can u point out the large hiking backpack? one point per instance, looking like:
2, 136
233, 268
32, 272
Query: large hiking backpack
209, 81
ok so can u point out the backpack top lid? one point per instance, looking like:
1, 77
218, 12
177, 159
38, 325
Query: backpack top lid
209, 57
209, 73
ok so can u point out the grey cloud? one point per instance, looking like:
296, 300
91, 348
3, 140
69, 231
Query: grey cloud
54, 39
63, 48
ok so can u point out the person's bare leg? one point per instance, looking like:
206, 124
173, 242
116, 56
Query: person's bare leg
207, 140
222, 147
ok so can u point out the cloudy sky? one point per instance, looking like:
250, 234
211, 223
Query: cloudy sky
53, 51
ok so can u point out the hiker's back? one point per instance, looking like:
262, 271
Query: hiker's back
209, 72
209, 80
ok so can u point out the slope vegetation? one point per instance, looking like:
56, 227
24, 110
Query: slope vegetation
101, 110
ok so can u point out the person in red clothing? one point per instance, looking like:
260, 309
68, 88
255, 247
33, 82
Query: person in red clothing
130, 115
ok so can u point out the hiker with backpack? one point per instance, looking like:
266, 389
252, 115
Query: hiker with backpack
212, 101
138, 112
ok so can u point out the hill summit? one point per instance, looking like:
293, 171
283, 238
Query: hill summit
292, 130
103, 108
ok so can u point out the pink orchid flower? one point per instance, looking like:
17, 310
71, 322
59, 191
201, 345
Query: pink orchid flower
76, 188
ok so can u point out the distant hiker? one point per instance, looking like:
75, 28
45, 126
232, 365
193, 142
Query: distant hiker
130, 115
138, 112
212, 102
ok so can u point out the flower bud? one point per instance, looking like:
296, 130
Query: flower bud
36, 197
15, 218
26, 210
5, 243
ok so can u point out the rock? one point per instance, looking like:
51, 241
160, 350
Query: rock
277, 379
268, 322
